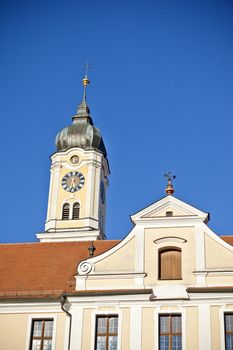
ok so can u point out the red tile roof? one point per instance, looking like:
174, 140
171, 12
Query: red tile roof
228, 239
37, 269
46, 269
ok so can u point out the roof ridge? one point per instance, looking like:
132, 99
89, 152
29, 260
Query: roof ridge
58, 243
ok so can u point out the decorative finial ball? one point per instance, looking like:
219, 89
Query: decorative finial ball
86, 81
169, 190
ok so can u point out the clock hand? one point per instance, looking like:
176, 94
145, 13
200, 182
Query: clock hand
72, 185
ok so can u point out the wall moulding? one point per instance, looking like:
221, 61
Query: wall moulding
173, 239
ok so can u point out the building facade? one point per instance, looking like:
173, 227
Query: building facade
167, 285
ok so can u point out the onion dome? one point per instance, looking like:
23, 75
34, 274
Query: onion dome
82, 133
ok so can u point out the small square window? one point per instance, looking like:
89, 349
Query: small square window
169, 213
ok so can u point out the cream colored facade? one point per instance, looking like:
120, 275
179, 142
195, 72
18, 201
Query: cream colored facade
15, 323
207, 264
91, 223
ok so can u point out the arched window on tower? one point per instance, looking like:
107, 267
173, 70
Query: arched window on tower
66, 211
76, 210
170, 264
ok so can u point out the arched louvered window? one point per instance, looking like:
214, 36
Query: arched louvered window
170, 264
76, 210
66, 211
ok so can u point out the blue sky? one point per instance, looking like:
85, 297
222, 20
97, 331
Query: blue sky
161, 93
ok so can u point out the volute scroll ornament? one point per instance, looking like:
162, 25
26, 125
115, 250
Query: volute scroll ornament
85, 267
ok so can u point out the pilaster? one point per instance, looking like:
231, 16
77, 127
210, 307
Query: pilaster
204, 327
135, 327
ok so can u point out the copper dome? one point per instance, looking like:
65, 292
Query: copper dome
82, 133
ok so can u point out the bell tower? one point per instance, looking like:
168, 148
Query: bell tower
78, 181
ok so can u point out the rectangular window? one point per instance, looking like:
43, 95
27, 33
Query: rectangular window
170, 264
170, 332
106, 332
228, 322
41, 334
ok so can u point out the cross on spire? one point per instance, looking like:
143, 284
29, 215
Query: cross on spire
86, 68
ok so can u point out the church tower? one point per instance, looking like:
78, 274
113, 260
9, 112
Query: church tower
78, 182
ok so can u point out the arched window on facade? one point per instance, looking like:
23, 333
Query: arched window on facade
66, 211
76, 210
170, 264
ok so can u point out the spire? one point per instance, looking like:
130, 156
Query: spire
83, 110
82, 133
169, 188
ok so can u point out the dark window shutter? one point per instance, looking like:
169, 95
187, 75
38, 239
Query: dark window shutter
66, 211
76, 210
170, 264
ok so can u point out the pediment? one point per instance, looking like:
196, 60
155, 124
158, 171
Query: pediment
167, 208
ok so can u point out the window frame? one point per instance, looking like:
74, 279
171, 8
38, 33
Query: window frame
164, 249
40, 316
227, 313
170, 334
43, 337
107, 334
179, 311
114, 312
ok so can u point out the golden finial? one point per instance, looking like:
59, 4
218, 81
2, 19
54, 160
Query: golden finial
86, 81
169, 188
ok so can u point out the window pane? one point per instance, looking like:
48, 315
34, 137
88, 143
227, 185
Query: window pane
112, 343
229, 342
36, 344
37, 328
176, 324
176, 342
48, 331
102, 325
101, 343
47, 344
113, 325
164, 342
164, 324
229, 323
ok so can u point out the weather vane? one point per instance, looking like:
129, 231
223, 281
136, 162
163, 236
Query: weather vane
169, 188
86, 81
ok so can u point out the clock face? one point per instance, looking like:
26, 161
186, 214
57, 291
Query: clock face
74, 159
73, 181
